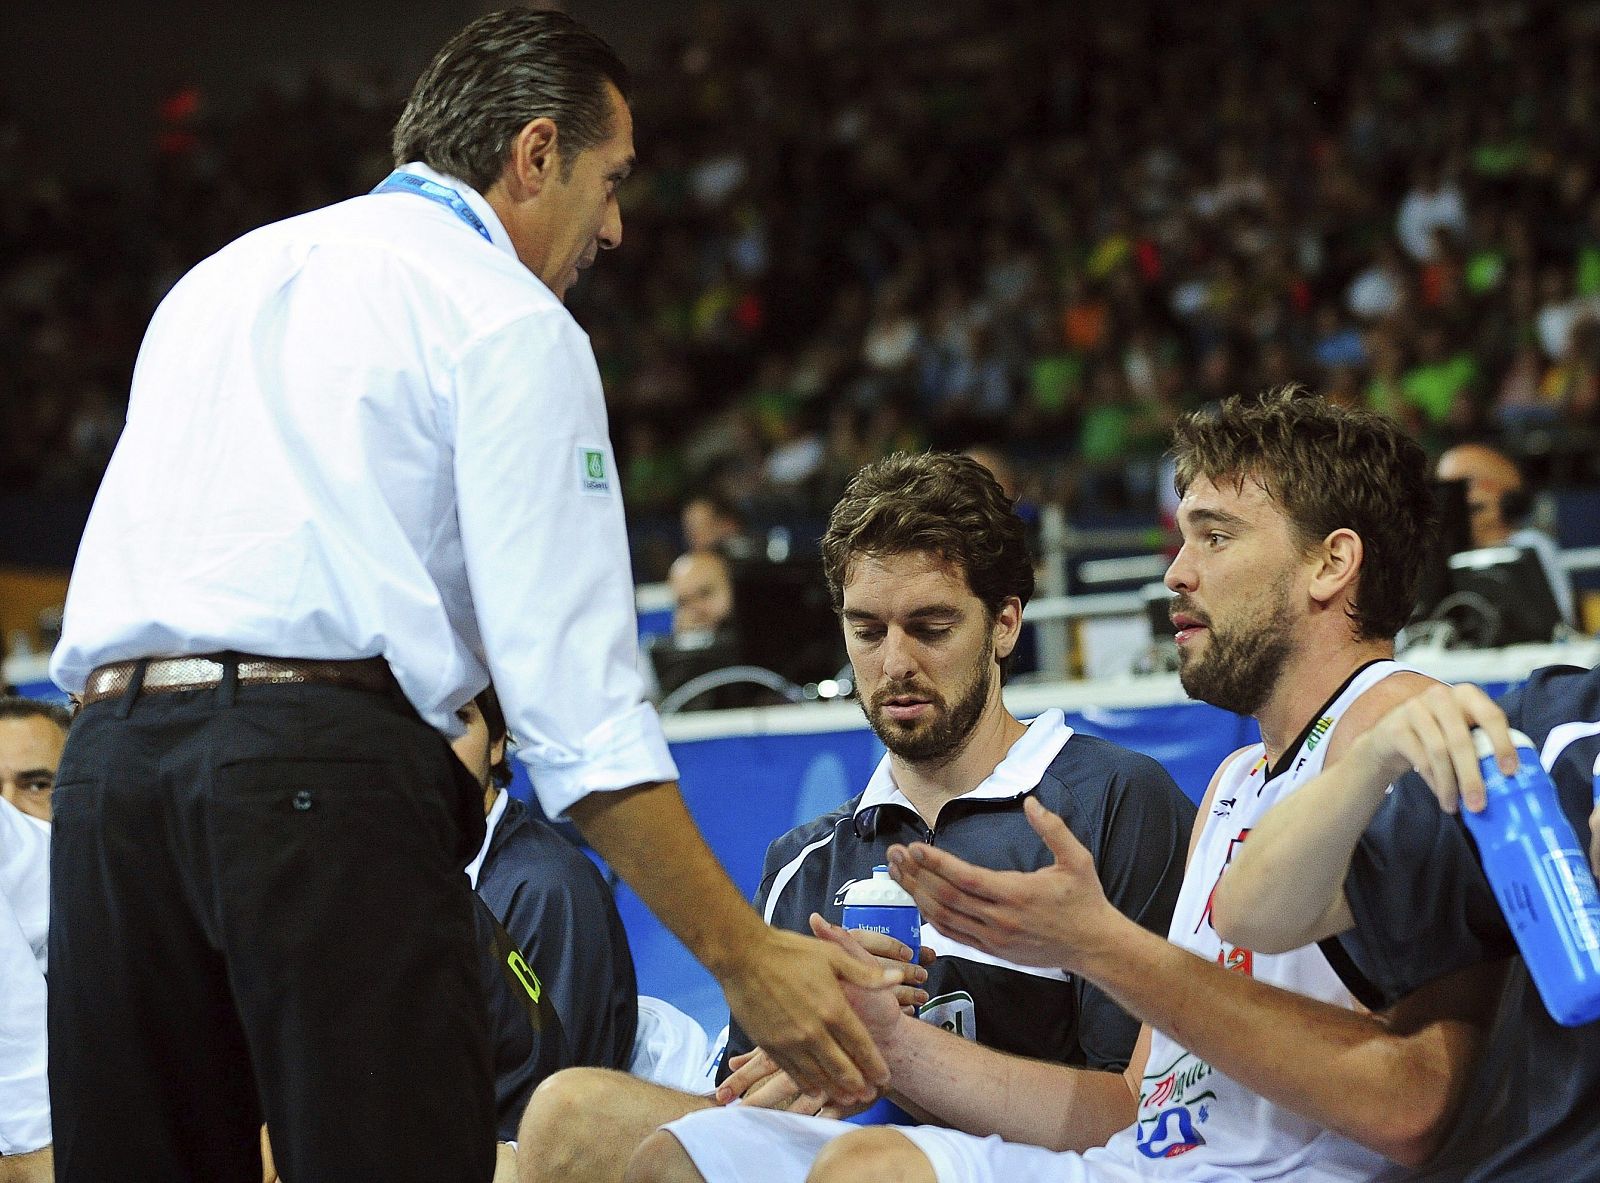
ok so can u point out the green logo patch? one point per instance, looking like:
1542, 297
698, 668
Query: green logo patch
593, 480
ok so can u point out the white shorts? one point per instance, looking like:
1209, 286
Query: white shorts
740, 1142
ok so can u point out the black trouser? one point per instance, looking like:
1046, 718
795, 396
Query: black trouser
258, 913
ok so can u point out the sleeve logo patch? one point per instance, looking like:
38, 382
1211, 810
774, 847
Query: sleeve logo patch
594, 479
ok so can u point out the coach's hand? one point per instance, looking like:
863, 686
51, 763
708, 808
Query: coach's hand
757, 1079
787, 996
782, 987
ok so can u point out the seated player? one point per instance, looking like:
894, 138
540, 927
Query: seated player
1395, 878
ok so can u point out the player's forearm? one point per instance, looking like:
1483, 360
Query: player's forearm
978, 1090
1285, 885
1391, 1091
648, 838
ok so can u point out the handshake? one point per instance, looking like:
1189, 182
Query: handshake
756, 1078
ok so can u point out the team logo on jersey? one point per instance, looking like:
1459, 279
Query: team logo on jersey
838, 896
954, 1012
1318, 730
593, 480
1169, 1134
1173, 1103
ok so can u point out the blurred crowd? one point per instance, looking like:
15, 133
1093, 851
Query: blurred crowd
1049, 228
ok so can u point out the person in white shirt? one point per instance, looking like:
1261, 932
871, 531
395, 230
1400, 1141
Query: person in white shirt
366, 468
31, 736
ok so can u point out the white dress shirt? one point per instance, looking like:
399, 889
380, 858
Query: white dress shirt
366, 431
24, 931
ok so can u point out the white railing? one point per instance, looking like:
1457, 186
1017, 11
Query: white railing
1050, 614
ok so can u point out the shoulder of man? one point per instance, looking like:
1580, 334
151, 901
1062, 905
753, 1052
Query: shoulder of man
803, 862
527, 850
1091, 775
435, 257
1552, 696
1373, 704
1086, 757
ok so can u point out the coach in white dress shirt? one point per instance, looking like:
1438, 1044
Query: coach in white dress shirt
366, 464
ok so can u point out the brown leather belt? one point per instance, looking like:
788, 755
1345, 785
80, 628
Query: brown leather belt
168, 675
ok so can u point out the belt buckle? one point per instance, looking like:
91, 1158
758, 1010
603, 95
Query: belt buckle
171, 672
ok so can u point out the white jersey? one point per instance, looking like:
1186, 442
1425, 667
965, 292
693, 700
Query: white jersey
1192, 1116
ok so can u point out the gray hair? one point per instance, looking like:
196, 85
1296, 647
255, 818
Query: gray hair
497, 75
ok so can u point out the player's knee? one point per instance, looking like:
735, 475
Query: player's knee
559, 1118
661, 1158
871, 1155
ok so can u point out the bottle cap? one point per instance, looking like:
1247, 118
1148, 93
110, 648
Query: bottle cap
1484, 746
879, 891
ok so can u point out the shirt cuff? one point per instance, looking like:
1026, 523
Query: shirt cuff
24, 1111
628, 750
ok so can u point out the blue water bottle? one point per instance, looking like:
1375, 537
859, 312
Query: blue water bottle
880, 904
1542, 879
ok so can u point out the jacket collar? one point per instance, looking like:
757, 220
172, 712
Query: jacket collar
1016, 775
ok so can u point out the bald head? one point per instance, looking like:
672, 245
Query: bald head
1490, 475
702, 592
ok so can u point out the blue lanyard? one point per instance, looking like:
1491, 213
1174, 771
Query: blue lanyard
404, 182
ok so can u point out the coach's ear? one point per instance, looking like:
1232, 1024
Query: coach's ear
1337, 564
533, 158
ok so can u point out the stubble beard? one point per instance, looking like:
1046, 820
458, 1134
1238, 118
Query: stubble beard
943, 737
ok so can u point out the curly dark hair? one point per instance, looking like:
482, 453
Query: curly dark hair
493, 78
936, 502
1329, 468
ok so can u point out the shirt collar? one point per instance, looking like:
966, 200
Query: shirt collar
496, 812
474, 200
1018, 773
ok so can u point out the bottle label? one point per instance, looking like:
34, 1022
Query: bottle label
1569, 875
904, 924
